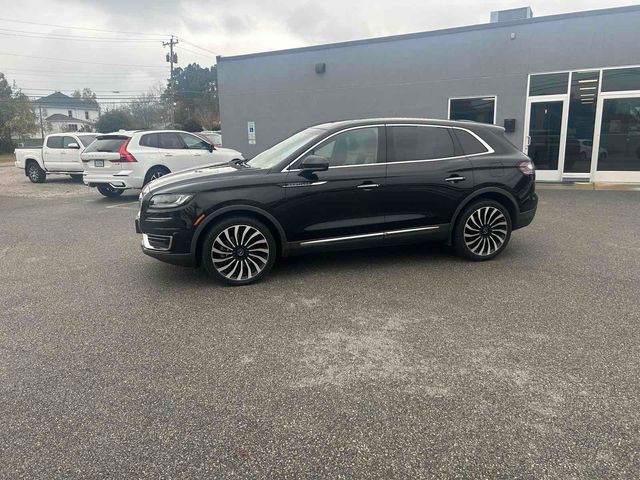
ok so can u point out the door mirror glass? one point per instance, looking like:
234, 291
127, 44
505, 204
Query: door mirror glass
314, 163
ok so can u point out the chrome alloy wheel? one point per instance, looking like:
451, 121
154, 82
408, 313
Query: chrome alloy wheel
485, 231
240, 252
34, 174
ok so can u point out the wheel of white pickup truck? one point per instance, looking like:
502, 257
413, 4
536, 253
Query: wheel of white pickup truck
35, 173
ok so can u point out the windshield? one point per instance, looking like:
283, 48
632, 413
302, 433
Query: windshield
274, 155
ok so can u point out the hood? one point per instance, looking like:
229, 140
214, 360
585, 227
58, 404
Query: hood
194, 179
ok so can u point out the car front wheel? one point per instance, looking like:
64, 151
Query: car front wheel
239, 251
483, 231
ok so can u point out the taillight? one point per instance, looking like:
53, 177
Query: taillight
126, 156
527, 167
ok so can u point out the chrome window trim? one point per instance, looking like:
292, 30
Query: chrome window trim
369, 235
489, 151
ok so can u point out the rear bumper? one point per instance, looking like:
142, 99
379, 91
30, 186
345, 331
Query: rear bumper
525, 218
123, 179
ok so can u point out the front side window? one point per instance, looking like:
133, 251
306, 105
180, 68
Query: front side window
170, 141
481, 109
54, 142
410, 143
354, 147
194, 143
68, 140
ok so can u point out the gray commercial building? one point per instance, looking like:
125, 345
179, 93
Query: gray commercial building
564, 86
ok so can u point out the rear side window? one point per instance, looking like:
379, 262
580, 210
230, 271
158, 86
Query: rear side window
170, 140
106, 144
149, 140
420, 143
54, 142
470, 144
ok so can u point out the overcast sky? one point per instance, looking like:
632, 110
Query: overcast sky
222, 27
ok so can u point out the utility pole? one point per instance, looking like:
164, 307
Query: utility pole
171, 58
41, 127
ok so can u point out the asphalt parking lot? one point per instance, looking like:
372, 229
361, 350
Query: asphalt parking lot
404, 362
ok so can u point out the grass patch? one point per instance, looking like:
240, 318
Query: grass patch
6, 158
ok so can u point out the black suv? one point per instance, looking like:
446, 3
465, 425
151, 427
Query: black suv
349, 184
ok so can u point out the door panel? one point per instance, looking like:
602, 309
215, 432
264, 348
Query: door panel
426, 192
334, 203
51, 153
345, 200
70, 157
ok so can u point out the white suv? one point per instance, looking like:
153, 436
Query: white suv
122, 160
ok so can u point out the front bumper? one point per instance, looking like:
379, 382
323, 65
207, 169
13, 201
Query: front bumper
124, 179
180, 259
167, 236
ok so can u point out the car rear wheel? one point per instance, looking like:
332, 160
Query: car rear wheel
109, 191
35, 173
155, 173
239, 251
483, 231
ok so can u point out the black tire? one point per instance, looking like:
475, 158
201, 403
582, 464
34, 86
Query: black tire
238, 251
76, 177
155, 172
35, 173
109, 191
482, 231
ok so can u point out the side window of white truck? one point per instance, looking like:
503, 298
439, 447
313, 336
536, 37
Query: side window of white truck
54, 142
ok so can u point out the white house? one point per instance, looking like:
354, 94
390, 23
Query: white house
61, 113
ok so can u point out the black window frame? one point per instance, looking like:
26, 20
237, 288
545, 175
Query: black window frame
391, 155
494, 99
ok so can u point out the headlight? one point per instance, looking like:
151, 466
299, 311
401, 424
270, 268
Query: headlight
169, 200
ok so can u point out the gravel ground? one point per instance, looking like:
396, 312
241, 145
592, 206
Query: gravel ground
388, 363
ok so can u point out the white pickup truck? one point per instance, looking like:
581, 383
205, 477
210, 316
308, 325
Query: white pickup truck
60, 154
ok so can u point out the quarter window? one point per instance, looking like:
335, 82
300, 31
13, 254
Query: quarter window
470, 144
354, 147
481, 109
420, 143
149, 140
194, 143
54, 142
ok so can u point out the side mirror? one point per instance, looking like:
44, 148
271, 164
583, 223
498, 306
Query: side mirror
211, 147
73, 145
314, 163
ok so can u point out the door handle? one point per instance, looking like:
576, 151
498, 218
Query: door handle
368, 185
168, 154
455, 179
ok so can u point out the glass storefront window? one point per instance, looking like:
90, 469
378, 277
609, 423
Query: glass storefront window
582, 119
481, 109
549, 84
621, 79
620, 135
545, 127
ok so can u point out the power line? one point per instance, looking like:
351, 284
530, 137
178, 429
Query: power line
197, 46
55, 36
80, 61
78, 28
